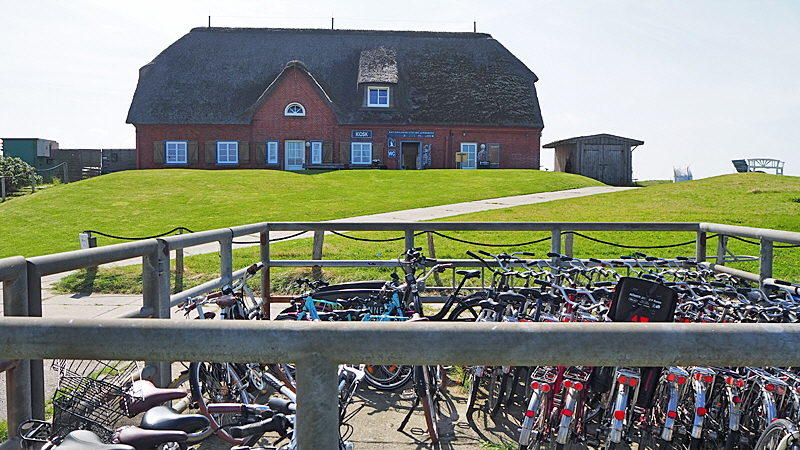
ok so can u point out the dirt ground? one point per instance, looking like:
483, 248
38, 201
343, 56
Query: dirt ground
376, 416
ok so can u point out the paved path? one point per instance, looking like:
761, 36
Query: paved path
421, 214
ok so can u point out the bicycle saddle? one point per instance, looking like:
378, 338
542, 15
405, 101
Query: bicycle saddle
86, 440
143, 395
166, 418
141, 438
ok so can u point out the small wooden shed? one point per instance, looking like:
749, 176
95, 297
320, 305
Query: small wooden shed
604, 157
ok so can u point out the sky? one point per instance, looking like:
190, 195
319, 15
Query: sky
701, 82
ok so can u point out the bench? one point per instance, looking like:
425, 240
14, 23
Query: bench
326, 166
753, 164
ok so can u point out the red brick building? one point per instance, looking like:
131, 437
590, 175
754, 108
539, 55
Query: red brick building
292, 99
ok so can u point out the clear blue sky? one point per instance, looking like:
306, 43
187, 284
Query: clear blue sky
700, 82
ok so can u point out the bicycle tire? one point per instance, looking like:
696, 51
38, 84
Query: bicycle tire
210, 384
753, 422
426, 393
774, 433
498, 381
467, 311
651, 432
535, 425
474, 385
717, 420
387, 377
187, 405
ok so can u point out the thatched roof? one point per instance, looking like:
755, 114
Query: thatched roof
220, 76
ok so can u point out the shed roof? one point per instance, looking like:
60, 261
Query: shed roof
575, 140
218, 76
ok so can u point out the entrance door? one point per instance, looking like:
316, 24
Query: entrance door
295, 155
471, 149
410, 155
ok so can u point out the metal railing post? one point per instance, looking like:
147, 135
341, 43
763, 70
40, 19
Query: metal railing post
19, 407
555, 241
700, 246
722, 248
265, 272
226, 259
765, 260
316, 253
179, 267
409, 241
317, 404
156, 298
2, 188
34, 309
569, 240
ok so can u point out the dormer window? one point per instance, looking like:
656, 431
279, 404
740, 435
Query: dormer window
294, 109
378, 97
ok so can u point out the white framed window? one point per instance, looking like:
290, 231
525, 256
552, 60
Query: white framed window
361, 152
471, 149
295, 154
272, 152
227, 152
294, 109
316, 152
378, 97
175, 152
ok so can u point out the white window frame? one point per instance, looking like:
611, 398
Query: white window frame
379, 103
471, 149
227, 152
361, 153
316, 152
180, 153
272, 152
293, 106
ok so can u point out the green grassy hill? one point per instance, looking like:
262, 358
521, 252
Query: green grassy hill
150, 202
754, 199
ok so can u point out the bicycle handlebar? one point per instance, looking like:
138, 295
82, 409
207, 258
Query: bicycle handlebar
278, 423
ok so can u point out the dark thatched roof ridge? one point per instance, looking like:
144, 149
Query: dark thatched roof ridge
220, 76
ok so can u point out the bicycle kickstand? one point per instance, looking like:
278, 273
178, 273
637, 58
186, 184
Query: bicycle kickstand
410, 411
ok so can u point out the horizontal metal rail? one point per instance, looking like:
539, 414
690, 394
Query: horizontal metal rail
523, 344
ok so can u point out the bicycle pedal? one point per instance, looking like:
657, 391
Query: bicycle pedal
408, 394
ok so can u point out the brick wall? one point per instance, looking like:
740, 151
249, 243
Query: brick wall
519, 147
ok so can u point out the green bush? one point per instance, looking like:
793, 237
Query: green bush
17, 173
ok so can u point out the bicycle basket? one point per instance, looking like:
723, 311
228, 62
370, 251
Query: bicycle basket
90, 396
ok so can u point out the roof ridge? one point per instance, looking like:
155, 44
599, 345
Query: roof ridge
340, 31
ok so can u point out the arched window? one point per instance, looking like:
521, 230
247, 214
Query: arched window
294, 109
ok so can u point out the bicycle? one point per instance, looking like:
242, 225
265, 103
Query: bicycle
92, 396
781, 434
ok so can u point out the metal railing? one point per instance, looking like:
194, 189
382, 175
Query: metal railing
510, 344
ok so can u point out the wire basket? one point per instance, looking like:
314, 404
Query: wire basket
91, 395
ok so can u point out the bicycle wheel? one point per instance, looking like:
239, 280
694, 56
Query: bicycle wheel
387, 377
474, 386
755, 416
651, 432
498, 380
717, 421
467, 311
426, 392
187, 405
775, 433
218, 383
535, 426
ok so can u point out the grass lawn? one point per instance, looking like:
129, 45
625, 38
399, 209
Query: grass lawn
150, 202
755, 200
